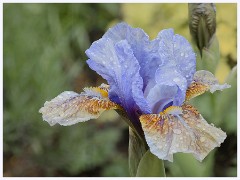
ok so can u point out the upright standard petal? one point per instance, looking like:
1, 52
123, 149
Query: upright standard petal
117, 64
174, 80
176, 52
175, 72
137, 39
69, 108
180, 129
144, 50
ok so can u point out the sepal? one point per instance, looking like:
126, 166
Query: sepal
185, 131
204, 81
69, 108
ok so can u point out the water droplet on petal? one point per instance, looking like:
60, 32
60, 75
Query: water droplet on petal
176, 79
202, 139
182, 54
177, 131
186, 116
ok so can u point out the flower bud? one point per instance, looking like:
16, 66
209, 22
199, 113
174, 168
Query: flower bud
202, 23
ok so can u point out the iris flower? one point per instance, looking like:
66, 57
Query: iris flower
151, 83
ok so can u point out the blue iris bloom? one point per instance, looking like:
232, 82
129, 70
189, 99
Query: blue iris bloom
144, 76
150, 82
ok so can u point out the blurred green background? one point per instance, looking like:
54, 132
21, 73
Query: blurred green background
43, 52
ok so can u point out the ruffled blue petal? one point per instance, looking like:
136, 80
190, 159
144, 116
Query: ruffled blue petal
145, 51
150, 62
175, 73
136, 37
175, 51
132, 64
166, 94
171, 77
117, 64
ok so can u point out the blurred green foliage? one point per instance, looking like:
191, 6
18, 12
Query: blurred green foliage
44, 48
43, 54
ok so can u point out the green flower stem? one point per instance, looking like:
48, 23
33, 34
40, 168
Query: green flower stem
150, 166
142, 163
136, 149
136, 129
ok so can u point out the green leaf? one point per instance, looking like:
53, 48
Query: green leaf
226, 111
150, 166
185, 165
136, 149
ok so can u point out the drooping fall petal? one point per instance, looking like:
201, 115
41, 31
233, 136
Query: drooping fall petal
180, 129
204, 81
69, 108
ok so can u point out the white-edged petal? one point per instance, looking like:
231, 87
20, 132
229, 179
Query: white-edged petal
185, 131
208, 79
69, 108
204, 81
